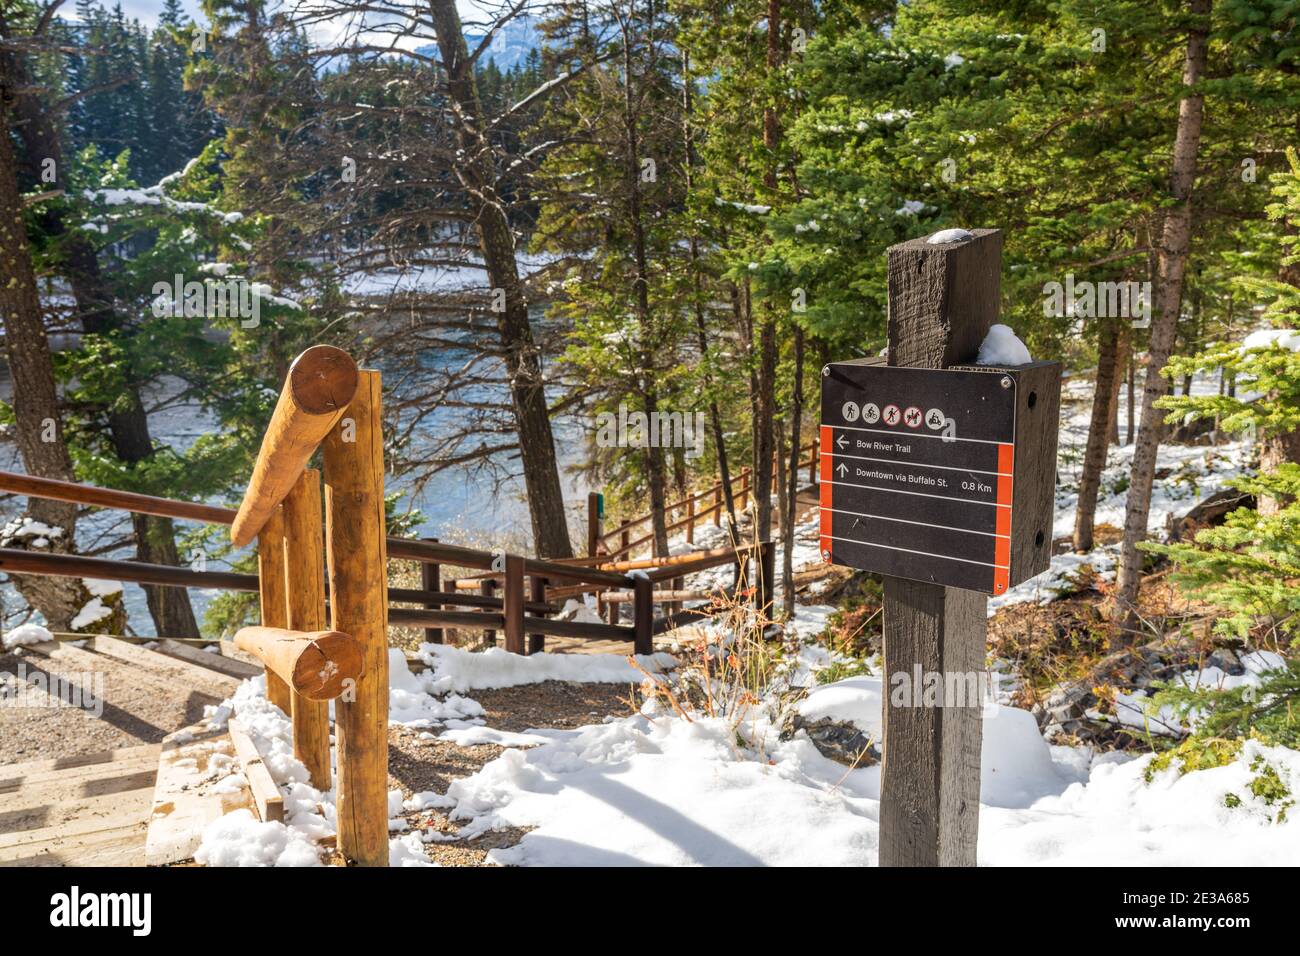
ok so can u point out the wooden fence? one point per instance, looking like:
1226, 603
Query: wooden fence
311, 571
686, 513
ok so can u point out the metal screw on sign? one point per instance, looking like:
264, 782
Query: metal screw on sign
826, 370
826, 555
1006, 381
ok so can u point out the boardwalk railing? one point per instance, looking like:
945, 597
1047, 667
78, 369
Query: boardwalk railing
309, 569
686, 513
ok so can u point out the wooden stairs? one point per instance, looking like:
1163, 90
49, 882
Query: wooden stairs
101, 809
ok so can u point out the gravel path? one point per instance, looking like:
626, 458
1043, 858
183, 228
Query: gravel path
415, 765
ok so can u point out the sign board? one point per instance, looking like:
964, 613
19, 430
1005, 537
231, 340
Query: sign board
918, 473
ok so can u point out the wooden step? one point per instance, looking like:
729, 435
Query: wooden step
217, 662
82, 774
124, 847
182, 672
183, 802
79, 760
89, 810
142, 677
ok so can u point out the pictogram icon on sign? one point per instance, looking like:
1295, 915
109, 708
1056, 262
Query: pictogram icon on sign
850, 411
935, 419
912, 417
871, 413
892, 414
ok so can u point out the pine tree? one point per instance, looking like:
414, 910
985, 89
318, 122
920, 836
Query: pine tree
1250, 566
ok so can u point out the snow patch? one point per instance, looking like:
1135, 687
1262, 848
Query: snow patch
1002, 347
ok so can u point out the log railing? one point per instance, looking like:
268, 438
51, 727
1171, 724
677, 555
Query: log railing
685, 513
323, 593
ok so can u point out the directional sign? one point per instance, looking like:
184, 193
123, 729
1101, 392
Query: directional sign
924, 491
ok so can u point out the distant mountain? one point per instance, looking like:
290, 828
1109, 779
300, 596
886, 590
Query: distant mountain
510, 45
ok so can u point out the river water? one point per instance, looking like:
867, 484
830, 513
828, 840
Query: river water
464, 504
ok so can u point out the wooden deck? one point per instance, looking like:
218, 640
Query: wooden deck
83, 811
95, 809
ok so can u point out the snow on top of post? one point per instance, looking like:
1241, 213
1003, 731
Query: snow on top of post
944, 236
1001, 347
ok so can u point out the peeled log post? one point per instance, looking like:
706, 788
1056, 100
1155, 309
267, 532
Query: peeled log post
318, 665
357, 557
273, 599
320, 384
304, 575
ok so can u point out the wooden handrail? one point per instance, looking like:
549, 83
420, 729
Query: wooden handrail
321, 383
70, 491
491, 620
18, 561
690, 499
407, 548
723, 554
622, 597
319, 665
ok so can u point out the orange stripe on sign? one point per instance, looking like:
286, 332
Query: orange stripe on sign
1003, 529
827, 442
1002, 552
1001, 579
1004, 489
824, 448
1006, 459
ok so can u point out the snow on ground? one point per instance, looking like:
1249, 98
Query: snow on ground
1131, 709
657, 789
1116, 818
452, 669
25, 634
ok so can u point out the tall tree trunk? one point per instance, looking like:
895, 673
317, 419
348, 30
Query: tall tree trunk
764, 403
764, 425
792, 484
497, 246
37, 414
1104, 397
1131, 393
655, 469
697, 293
170, 608
1174, 244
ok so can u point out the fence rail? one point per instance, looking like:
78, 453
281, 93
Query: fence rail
618, 542
310, 571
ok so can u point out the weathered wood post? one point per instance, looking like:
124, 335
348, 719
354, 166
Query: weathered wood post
513, 603
272, 596
595, 511
942, 299
643, 613
304, 575
717, 506
357, 557
431, 580
537, 642
488, 589
690, 520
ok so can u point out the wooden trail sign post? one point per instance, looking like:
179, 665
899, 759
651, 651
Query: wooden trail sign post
940, 475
